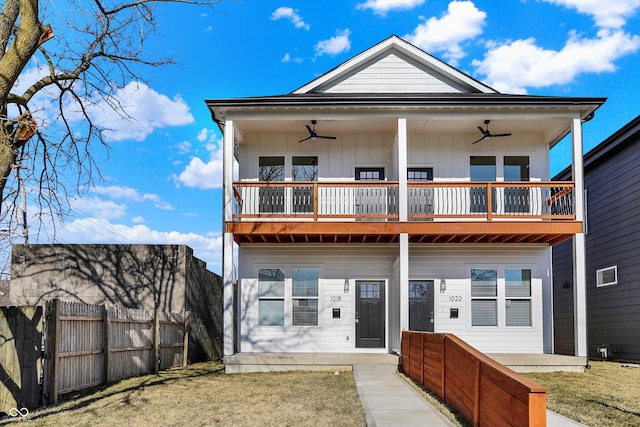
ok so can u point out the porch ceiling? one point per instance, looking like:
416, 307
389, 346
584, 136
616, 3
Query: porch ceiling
542, 232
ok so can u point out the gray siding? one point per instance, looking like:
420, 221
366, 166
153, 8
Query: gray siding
563, 298
612, 181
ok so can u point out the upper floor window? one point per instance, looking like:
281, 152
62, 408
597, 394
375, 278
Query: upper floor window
370, 174
304, 168
271, 168
419, 174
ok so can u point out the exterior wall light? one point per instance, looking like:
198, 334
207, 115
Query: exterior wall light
346, 286
443, 285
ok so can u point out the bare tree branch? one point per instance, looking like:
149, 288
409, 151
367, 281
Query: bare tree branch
98, 48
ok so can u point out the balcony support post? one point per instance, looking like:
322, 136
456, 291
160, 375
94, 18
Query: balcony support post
227, 247
404, 281
402, 169
579, 253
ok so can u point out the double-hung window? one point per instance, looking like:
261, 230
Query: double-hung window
517, 284
271, 297
484, 297
304, 296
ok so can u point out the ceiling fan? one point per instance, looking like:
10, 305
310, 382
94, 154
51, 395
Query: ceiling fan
313, 134
486, 133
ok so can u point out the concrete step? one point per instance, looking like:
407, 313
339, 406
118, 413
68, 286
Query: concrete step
268, 362
540, 362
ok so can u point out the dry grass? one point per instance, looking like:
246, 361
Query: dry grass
605, 395
202, 395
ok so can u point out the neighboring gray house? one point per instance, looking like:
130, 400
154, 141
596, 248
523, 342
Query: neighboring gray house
167, 277
612, 228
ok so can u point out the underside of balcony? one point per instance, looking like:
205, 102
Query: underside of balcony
542, 232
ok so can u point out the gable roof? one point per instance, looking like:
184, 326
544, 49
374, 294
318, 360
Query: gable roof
394, 66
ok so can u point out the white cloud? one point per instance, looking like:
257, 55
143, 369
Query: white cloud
287, 58
131, 194
98, 207
514, 66
138, 219
607, 13
184, 147
100, 230
203, 135
291, 15
335, 45
201, 174
461, 22
381, 7
146, 110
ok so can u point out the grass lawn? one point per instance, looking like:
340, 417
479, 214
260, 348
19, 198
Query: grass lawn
203, 395
605, 395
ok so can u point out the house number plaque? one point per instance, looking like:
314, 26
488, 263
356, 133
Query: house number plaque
336, 298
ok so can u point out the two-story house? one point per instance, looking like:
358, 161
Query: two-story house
395, 192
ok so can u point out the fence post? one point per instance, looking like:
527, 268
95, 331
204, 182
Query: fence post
185, 348
106, 343
53, 339
443, 370
156, 340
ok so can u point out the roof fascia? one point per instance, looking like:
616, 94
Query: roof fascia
395, 42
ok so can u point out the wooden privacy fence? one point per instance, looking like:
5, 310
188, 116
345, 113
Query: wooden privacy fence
89, 345
80, 346
483, 391
20, 361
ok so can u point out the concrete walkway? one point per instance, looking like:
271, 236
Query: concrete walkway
390, 401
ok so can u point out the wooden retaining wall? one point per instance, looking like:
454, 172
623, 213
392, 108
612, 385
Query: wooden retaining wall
483, 391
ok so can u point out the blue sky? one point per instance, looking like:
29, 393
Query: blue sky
162, 174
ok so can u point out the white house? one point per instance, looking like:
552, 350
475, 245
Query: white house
396, 192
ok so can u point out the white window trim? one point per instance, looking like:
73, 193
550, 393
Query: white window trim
501, 297
603, 285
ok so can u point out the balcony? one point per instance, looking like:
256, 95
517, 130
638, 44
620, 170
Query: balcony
437, 212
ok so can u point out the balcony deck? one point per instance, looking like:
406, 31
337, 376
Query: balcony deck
437, 212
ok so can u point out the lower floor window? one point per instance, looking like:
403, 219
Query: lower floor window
488, 294
304, 296
271, 297
517, 283
274, 297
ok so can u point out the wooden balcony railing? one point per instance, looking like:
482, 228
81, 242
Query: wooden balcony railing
426, 201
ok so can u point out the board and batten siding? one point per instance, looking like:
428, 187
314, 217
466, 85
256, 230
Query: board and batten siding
336, 264
379, 262
447, 154
612, 239
393, 73
453, 263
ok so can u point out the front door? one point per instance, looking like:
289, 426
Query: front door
421, 305
370, 314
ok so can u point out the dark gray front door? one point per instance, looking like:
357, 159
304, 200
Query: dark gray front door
370, 314
421, 305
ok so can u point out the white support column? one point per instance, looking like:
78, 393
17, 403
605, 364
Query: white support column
402, 169
227, 248
404, 281
579, 254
